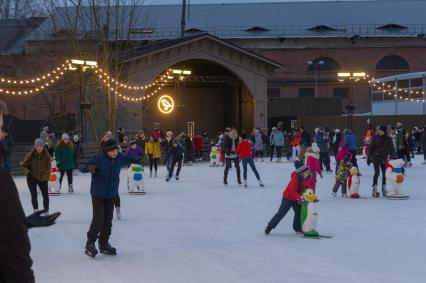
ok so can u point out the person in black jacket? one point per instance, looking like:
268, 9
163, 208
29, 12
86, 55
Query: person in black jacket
230, 142
380, 148
175, 156
15, 247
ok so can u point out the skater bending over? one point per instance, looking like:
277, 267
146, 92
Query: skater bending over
292, 198
105, 168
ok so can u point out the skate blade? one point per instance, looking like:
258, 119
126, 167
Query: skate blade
397, 197
107, 253
89, 254
137, 193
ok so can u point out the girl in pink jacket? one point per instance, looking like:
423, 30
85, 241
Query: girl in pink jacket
313, 163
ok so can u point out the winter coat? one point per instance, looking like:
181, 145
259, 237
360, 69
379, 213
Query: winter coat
136, 153
258, 141
342, 152
227, 145
295, 187
423, 140
380, 148
37, 165
342, 173
106, 179
295, 141
15, 260
279, 139
349, 141
152, 149
78, 152
175, 153
314, 166
198, 143
244, 149
322, 141
400, 139
336, 142
64, 156
141, 143
305, 139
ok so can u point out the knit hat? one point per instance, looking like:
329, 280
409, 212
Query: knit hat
315, 148
110, 145
383, 128
75, 138
38, 142
300, 167
132, 142
65, 136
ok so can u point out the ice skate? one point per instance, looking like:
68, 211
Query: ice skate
344, 195
245, 183
107, 249
333, 194
384, 192
70, 189
150, 174
262, 160
267, 230
155, 174
375, 193
91, 250
225, 182
177, 178
167, 179
409, 164
261, 183
118, 212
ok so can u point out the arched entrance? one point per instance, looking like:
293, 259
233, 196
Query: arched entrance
227, 87
212, 96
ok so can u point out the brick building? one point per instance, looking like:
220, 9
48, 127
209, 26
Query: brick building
310, 42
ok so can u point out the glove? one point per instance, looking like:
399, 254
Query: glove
301, 200
91, 168
36, 220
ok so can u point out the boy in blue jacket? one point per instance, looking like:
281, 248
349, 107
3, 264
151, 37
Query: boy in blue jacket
105, 168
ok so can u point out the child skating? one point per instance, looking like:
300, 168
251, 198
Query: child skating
292, 198
342, 175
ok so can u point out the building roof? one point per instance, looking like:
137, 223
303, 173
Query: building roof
400, 77
263, 20
172, 43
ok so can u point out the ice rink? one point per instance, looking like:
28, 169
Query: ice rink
197, 230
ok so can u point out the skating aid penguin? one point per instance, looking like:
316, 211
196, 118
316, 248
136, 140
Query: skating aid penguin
309, 214
353, 183
394, 179
54, 186
214, 156
135, 179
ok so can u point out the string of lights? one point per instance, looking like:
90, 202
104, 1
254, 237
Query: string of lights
42, 78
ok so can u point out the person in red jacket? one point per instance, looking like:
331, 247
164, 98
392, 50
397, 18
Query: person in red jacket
244, 151
198, 144
292, 198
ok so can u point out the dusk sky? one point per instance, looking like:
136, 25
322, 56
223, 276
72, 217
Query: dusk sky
151, 2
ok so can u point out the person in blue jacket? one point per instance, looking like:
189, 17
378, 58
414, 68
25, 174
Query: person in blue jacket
105, 168
349, 141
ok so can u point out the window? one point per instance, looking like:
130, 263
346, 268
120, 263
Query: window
257, 29
392, 27
306, 92
193, 30
342, 92
327, 65
141, 30
322, 28
392, 62
274, 92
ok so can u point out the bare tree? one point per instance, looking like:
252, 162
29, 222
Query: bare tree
93, 30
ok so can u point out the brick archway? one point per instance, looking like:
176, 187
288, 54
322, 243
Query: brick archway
146, 63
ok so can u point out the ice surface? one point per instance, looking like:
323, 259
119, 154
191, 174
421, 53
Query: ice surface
197, 230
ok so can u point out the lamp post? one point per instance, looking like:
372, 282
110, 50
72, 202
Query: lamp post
315, 64
351, 78
82, 66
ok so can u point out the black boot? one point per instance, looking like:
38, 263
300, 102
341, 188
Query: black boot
107, 249
91, 250
267, 230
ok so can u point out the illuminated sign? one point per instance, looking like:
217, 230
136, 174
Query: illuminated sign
166, 104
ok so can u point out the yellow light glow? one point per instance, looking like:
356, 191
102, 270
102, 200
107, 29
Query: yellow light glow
346, 75
77, 62
186, 72
166, 104
177, 72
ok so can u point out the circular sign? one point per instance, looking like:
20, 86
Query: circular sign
166, 104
